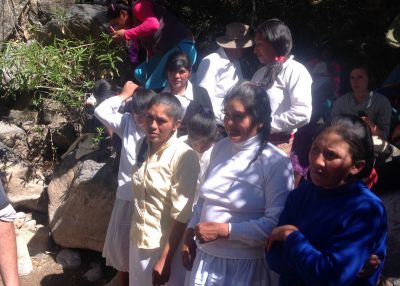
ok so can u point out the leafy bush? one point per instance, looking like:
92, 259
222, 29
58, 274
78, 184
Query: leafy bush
63, 71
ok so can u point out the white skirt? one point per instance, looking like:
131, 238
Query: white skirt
209, 270
142, 261
116, 244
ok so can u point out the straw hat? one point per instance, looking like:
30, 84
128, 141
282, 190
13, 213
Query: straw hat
237, 35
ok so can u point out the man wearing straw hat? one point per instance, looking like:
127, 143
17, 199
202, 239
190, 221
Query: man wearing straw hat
219, 71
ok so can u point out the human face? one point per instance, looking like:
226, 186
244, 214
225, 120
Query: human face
178, 80
120, 22
159, 126
140, 120
264, 50
331, 162
238, 123
200, 143
359, 80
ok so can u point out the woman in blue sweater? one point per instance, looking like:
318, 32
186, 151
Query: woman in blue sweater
330, 227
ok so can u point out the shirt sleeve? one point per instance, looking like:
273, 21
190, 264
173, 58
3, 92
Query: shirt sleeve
143, 11
337, 264
276, 189
183, 187
298, 85
7, 212
107, 113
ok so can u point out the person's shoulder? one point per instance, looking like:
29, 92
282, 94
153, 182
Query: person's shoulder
272, 151
380, 98
294, 67
259, 74
199, 90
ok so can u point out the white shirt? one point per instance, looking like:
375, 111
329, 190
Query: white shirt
204, 161
218, 75
249, 199
289, 96
186, 98
124, 126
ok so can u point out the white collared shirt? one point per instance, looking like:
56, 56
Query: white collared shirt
217, 74
289, 96
186, 98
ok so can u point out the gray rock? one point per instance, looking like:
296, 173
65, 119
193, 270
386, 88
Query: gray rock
81, 20
81, 196
24, 260
11, 10
69, 258
94, 273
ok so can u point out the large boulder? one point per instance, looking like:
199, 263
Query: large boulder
10, 12
81, 20
81, 198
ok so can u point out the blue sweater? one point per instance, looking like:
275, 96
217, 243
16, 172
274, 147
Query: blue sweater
338, 230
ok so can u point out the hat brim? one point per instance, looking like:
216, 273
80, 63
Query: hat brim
234, 44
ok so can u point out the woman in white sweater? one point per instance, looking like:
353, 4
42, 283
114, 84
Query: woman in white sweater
286, 81
245, 189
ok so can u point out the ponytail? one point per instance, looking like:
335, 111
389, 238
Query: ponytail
276, 33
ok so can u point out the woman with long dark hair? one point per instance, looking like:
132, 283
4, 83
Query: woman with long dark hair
245, 188
286, 81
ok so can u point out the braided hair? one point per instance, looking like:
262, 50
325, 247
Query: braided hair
277, 33
256, 104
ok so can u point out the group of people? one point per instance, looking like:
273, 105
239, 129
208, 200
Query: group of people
205, 177
207, 192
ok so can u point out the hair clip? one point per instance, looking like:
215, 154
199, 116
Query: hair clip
112, 7
280, 59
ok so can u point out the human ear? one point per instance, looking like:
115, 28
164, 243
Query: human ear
357, 167
177, 123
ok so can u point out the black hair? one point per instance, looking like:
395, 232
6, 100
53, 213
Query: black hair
202, 124
175, 109
177, 60
277, 33
140, 100
115, 8
357, 134
256, 103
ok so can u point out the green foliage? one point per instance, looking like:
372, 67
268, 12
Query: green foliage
99, 135
64, 70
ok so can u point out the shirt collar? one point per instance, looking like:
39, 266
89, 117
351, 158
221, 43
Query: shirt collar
188, 92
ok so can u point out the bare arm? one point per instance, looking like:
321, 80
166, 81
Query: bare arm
8, 254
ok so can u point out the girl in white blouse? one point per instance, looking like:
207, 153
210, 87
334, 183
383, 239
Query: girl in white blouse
245, 188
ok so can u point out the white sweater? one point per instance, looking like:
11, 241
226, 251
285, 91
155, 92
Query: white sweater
249, 199
289, 96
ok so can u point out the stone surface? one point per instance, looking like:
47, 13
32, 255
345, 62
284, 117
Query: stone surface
10, 12
24, 260
81, 20
69, 258
81, 196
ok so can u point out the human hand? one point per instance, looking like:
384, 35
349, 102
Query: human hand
369, 266
371, 124
117, 34
210, 231
128, 89
280, 233
161, 272
188, 251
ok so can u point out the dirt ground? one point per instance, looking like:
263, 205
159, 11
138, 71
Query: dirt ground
46, 272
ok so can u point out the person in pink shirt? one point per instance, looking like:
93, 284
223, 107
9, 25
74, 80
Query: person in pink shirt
157, 30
